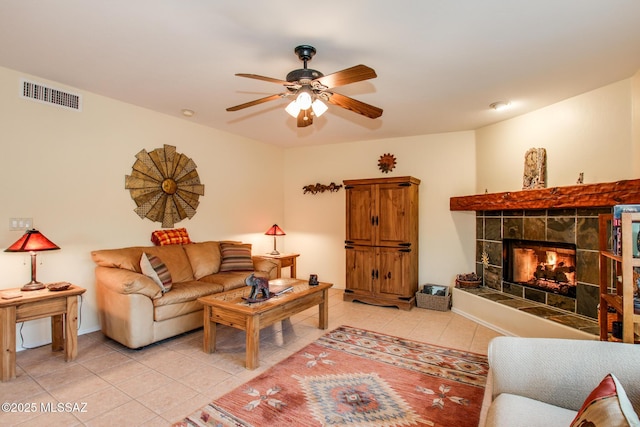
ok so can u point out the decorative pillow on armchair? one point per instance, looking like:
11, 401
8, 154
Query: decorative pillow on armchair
607, 406
153, 267
176, 236
236, 257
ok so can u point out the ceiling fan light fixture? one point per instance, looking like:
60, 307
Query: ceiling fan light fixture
319, 107
293, 109
304, 100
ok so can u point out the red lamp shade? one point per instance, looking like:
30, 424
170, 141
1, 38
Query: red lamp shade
275, 231
33, 241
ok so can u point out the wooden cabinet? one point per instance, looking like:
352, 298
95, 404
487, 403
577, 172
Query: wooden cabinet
382, 241
618, 269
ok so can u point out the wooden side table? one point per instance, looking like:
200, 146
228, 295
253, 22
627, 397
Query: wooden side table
283, 260
61, 306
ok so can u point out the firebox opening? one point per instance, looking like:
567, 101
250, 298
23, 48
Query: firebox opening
549, 266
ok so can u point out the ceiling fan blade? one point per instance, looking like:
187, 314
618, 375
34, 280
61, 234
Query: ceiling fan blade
355, 105
257, 101
305, 118
354, 74
266, 79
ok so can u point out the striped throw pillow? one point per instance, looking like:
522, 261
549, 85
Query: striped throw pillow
153, 267
236, 257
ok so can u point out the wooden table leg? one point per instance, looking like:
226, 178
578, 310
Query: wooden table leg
209, 341
8, 343
293, 271
71, 329
323, 310
253, 342
57, 332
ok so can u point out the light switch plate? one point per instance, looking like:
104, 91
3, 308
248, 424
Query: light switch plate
16, 224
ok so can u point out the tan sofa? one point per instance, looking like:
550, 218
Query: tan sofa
132, 308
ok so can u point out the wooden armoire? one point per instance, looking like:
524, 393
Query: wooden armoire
381, 244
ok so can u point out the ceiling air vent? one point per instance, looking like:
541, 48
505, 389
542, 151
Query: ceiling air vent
48, 95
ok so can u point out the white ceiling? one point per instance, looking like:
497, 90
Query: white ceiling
440, 63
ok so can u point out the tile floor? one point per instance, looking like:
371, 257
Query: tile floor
111, 385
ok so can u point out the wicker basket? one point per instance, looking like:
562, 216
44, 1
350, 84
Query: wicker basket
433, 302
468, 283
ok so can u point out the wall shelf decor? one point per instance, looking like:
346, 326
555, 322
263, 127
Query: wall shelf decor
321, 188
165, 186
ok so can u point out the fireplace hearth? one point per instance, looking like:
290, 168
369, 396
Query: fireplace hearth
543, 265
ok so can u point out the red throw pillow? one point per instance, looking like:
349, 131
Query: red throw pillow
176, 236
607, 406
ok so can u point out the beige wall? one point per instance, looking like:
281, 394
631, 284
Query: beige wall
589, 133
445, 163
635, 125
66, 170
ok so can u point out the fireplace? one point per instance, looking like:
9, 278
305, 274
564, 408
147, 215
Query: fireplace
543, 265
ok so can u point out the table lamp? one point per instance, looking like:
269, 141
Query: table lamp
275, 231
33, 241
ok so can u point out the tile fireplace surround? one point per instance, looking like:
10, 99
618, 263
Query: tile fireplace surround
560, 214
576, 226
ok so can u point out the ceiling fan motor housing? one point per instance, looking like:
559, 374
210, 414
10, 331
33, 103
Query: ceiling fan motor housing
303, 74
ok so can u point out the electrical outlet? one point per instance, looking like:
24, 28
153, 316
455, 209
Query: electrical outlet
16, 224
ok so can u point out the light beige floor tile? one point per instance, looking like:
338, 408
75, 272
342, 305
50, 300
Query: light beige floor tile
101, 402
123, 372
105, 362
168, 397
144, 383
63, 376
76, 390
131, 413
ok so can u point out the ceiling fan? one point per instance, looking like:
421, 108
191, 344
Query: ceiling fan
311, 87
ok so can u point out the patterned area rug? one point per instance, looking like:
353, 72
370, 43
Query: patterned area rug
354, 377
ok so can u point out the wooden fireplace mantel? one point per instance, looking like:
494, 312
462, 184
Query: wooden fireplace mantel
572, 196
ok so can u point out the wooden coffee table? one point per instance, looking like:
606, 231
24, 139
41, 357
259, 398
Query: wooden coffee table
230, 309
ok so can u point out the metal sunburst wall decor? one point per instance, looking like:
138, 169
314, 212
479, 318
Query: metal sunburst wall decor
387, 162
165, 186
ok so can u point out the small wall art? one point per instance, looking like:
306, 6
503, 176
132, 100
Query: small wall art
321, 188
387, 162
535, 169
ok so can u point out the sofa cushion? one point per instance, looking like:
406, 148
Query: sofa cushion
236, 257
176, 236
126, 258
607, 405
510, 410
204, 258
231, 279
153, 267
187, 291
